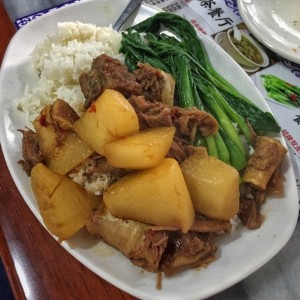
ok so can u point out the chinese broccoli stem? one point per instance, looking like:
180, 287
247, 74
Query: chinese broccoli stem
184, 76
237, 159
230, 111
212, 148
211, 98
199, 140
222, 148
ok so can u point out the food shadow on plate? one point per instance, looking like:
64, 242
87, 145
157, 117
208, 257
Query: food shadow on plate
82, 240
227, 238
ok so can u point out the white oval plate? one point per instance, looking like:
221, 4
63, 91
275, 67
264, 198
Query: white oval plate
240, 254
274, 23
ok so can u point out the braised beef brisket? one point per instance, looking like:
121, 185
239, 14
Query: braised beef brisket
189, 120
180, 149
151, 247
187, 250
186, 120
31, 151
62, 115
134, 239
151, 114
151, 80
107, 73
251, 201
213, 226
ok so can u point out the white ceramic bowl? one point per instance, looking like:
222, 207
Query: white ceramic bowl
239, 56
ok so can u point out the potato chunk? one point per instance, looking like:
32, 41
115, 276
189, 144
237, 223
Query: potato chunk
71, 153
110, 117
213, 186
63, 204
62, 148
92, 132
64, 156
142, 150
43, 189
156, 196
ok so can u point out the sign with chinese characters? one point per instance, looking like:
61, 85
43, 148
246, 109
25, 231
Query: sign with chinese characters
219, 15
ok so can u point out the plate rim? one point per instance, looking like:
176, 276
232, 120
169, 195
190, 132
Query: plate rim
17, 180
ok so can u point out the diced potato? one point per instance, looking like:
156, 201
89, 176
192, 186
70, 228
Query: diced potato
53, 127
63, 204
116, 113
44, 187
110, 117
46, 134
70, 154
142, 150
92, 132
213, 186
156, 196
61, 156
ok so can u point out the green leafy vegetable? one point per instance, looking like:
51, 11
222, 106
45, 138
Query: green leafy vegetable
183, 55
260, 121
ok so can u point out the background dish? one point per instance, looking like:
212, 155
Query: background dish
240, 57
237, 259
274, 23
221, 39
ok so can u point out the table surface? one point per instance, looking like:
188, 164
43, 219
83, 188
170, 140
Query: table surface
39, 268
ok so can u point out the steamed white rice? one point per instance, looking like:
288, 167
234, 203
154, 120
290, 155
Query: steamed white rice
93, 181
59, 61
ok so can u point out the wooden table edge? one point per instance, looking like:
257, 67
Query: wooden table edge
10, 269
